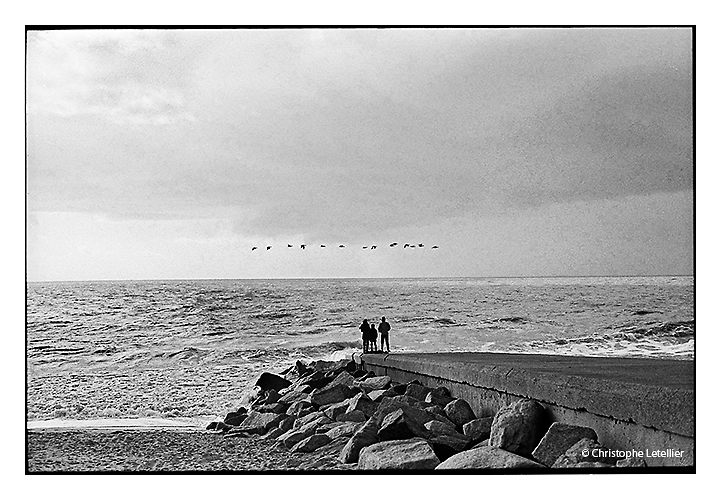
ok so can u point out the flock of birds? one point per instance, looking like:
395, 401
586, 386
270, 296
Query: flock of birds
372, 247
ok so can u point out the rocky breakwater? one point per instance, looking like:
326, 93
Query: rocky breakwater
340, 416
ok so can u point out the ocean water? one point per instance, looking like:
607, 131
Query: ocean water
190, 349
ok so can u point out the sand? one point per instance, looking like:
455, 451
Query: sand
152, 450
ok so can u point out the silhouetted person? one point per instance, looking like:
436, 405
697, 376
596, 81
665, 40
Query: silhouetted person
373, 337
365, 329
384, 328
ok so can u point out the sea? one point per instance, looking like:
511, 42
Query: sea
189, 351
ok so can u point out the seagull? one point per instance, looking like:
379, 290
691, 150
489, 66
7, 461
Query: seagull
393, 244
364, 248
406, 245
413, 246
420, 245
341, 246
434, 246
302, 247
373, 247
290, 246
254, 248
268, 247
322, 246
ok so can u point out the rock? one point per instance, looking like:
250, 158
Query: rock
459, 412
436, 427
487, 457
417, 391
311, 443
478, 429
318, 416
330, 395
343, 378
438, 414
380, 394
365, 436
363, 403
295, 436
439, 396
287, 423
404, 423
631, 462
482, 443
319, 383
272, 408
403, 454
268, 381
585, 450
223, 427
297, 407
455, 441
398, 389
343, 430
212, 426
234, 418
559, 438
272, 397
260, 423
352, 416
374, 383
389, 405
294, 397
273, 433
334, 410
518, 427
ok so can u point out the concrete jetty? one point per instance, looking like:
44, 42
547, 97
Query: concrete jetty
642, 405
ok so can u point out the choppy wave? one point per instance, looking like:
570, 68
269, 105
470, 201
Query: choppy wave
189, 348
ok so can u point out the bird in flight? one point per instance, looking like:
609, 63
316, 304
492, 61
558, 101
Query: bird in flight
268, 247
434, 246
365, 248
302, 247
341, 246
393, 244
254, 248
290, 246
420, 245
373, 247
406, 245
322, 246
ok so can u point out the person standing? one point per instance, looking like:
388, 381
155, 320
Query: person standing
373, 336
384, 328
365, 329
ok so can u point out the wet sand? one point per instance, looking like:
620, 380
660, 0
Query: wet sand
152, 450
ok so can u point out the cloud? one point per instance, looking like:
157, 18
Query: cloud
339, 133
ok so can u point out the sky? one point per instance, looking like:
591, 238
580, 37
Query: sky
169, 154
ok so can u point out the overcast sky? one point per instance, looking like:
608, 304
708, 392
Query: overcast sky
519, 152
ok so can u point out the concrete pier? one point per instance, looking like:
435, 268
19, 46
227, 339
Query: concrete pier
647, 405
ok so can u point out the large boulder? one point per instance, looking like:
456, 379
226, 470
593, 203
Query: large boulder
330, 395
518, 427
311, 443
273, 433
333, 411
297, 407
374, 383
318, 416
352, 416
362, 403
459, 412
389, 405
295, 436
365, 436
403, 454
346, 429
260, 423
439, 396
479, 429
381, 393
343, 378
294, 396
272, 396
272, 407
437, 427
287, 423
585, 450
268, 381
404, 423
417, 391
487, 457
235, 418
558, 439
453, 440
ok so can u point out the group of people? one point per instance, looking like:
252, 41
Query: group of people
370, 335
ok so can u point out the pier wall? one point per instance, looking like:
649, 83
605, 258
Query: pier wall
633, 404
